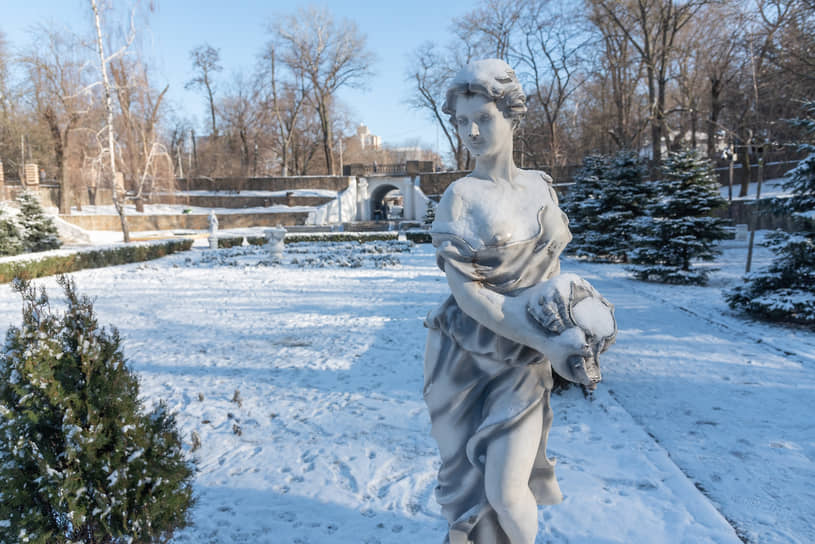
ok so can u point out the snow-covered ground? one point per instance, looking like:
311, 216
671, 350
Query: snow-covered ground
304, 385
770, 188
176, 209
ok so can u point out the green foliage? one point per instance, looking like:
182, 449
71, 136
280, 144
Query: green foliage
96, 258
419, 236
80, 459
229, 241
430, 213
38, 230
10, 241
340, 237
256, 240
785, 291
608, 196
679, 229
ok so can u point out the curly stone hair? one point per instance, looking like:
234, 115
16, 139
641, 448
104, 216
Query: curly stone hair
493, 79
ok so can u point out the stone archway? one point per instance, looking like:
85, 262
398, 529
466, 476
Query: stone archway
378, 196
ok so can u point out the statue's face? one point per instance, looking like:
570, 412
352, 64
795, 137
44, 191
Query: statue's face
483, 128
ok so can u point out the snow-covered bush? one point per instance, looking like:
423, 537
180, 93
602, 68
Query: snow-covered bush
10, 241
38, 230
80, 459
609, 194
679, 229
785, 291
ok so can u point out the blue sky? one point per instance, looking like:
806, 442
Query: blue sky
237, 28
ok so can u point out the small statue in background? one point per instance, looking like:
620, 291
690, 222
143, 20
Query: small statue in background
213, 230
510, 320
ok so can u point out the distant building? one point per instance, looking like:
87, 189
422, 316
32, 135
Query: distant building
365, 140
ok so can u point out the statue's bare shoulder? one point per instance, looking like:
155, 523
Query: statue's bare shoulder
482, 212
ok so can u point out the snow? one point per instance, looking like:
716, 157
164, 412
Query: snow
770, 188
702, 416
176, 209
296, 192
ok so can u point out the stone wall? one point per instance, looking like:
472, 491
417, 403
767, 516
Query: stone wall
138, 223
293, 183
237, 201
434, 183
744, 212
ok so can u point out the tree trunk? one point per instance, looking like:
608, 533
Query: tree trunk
715, 109
745, 171
109, 109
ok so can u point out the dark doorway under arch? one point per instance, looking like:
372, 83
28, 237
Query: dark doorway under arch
378, 197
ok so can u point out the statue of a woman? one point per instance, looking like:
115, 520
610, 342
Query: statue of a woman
511, 318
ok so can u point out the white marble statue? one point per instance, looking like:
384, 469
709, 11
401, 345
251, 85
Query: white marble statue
213, 230
274, 241
510, 320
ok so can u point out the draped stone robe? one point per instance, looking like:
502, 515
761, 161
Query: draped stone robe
479, 384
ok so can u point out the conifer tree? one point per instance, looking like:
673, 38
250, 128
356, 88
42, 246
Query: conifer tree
80, 460
609, 194
38, 230
785, 291
10, 241
679, 229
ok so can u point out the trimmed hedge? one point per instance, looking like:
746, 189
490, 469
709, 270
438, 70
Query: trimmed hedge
230, 241
49, 265
415, 236
360, 237
256, 240
419, 236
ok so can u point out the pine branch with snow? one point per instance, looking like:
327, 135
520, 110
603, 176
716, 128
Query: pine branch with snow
608, 195
80, 459
785, 290
679, 229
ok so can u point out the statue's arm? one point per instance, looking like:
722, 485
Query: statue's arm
508, 316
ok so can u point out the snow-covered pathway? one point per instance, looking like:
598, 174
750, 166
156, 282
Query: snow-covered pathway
304, 386
729, 400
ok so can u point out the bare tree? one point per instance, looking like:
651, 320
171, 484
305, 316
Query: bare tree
431, 72
205, 63
241, 112
550, 51
147, 165
285, 100
491, 27
104, 61
651, 27
329, 55
59, 91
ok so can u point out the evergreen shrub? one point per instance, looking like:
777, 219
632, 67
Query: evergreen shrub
81, 460
419, 236
39, 233
609, 194
292, 238
11, 242
230, 241
679, 228
785, 291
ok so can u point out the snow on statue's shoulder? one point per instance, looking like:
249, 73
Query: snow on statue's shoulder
475, 210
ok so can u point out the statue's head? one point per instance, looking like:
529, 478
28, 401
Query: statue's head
493, 79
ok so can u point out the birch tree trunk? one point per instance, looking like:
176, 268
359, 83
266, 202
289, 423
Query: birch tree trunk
117, 203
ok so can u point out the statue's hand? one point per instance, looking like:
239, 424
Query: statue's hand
578, 323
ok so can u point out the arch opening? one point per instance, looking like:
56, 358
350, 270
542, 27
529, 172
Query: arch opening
387, 202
